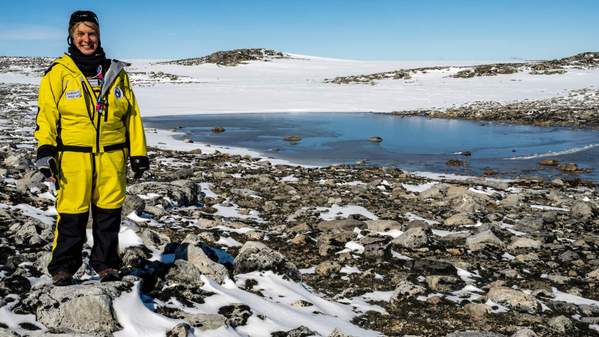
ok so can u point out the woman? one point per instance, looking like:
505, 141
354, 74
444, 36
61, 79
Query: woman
88, 124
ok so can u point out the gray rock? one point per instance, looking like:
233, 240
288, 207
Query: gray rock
328, 267
31, 180
133, 203
561, 324
477, 311
382, 225
344, 225
205, 321
301, 331
179, 330
474, 334
581, 210
442, 282
135, 256
406, 289
255, 255
179, 192
195, 256
483, 239
524, 332
460, 219
236, 314
521, 242
514, 299
185, 273
79, 308
412, 238
339, 333
18, 161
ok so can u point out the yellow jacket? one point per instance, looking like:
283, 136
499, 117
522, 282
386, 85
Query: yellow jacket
67, 116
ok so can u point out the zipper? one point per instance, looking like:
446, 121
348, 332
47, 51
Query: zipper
86, 93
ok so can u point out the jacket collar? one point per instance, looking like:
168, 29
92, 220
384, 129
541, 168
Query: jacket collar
111, 74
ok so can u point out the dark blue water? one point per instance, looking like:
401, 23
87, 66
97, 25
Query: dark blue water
412, 143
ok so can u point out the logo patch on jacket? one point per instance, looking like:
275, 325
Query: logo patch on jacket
118, 93
73, 94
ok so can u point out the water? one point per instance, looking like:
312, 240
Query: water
412, 143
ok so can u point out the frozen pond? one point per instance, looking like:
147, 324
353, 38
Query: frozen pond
412, 143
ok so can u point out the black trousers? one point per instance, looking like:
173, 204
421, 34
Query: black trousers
70, 235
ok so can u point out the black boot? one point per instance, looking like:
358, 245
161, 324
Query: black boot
106, 225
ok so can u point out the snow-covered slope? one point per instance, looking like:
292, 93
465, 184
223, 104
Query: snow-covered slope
297, 84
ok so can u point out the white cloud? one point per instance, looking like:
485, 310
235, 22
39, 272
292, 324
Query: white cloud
31, 33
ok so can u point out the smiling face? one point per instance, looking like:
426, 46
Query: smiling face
86, 37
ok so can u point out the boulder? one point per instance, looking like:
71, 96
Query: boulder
582, 210
560, 324
175, 193
483, 239
514, 299
382, 225
412, 238
255, 255
524, 243
460, 219
196, 256
344, 225
133, 203
524, 332
477, 311
406, 289
326, 268
236, 314
79, 308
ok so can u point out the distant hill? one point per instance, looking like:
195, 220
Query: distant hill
233, 57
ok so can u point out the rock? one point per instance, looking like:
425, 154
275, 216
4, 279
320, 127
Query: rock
293, 138
184, 273
481, 240
236, 314
375, 139
549, 162
460, 219
456, 163
514, 299
339, 333
594, 275
203, 322
524, 332
135, 256
412, 238
524, 243
406, 289
581, 210
382, 225
442, 282
344, 225
178, 192
568, 167
197, 257
301, 331
218, 129
79, 308
179, 330
561, 324
477, 311
133, 203
326, 268
18, 161
255, 255
33, 180
474, 334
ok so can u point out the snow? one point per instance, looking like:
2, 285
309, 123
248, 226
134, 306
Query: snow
287, 85
418, 188
13, 320
578, 300
277, 306
335, 211
549, 208
136, 319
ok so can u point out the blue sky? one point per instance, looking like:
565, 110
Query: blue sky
355, 29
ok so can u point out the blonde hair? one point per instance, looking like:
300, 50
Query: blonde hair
87, 23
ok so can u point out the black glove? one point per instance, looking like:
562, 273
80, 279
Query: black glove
139, 164
45, 162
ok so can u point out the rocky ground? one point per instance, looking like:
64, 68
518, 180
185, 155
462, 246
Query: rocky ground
587, 60
580, 108
222, 245
233, 57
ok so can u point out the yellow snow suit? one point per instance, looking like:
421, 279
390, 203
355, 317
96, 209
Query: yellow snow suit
91, 147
